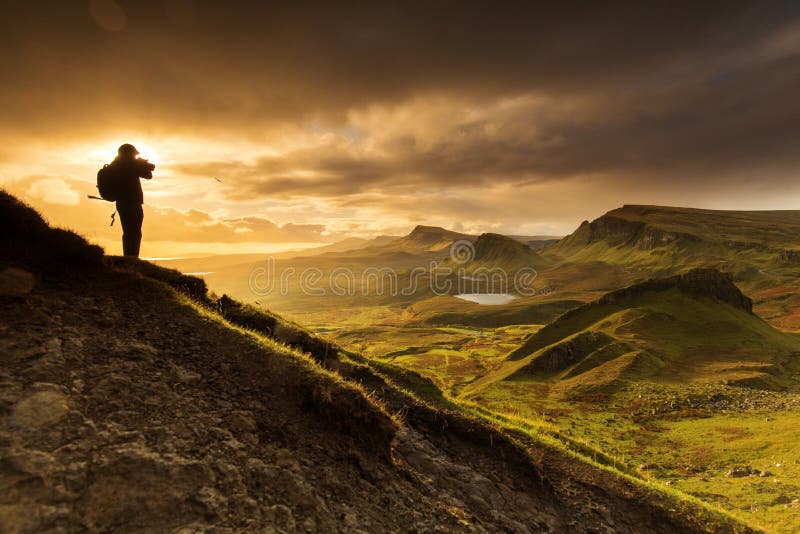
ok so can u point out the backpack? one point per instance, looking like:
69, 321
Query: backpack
108, 183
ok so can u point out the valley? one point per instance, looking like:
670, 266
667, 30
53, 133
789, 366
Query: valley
663, 339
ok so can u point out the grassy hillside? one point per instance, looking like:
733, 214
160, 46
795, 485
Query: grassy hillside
695, 327
676, 378
495, 251
447, 311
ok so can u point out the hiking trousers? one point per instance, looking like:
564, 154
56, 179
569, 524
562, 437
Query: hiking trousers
131, 216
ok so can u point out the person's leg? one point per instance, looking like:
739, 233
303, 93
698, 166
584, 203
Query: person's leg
131, 217
136, 237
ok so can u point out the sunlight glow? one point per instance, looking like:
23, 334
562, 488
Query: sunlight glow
106, 151
147, 152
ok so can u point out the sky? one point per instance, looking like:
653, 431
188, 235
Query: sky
282, 125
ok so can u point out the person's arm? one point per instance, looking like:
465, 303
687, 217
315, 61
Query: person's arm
145, 169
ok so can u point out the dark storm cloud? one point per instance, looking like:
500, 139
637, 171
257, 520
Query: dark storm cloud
708, 126
658, 88
228, 60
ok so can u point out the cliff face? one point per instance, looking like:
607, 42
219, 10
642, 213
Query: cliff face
650, 227
697, 282
617, 231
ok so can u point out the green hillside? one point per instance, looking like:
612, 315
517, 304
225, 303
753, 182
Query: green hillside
695, 327
674, 375
444, 310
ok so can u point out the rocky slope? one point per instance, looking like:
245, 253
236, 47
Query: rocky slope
131, 402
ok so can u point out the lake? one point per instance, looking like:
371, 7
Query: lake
488, 299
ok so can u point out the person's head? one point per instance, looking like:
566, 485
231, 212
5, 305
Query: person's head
127, 151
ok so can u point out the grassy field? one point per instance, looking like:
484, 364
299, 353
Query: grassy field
450, 356
682, 438
689, 440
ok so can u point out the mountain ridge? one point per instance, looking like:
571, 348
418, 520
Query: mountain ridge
627, 245
496, 251
650, 226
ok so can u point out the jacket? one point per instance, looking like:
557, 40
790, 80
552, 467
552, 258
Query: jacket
128, 172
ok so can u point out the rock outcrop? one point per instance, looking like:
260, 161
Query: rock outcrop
696, 282
618, 231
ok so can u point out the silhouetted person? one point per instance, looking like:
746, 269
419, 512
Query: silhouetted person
128, 169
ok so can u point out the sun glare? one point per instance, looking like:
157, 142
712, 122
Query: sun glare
147, 152
107, 151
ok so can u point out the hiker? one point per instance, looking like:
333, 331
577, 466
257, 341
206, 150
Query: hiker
128, 169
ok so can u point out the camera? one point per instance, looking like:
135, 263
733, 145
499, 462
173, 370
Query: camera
147, 165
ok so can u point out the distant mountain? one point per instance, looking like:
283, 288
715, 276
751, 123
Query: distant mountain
536, 242
761, 249
214, 263
421, 240
495, 250
429, 239
694, 327
426, 242
345, 245
657, 228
